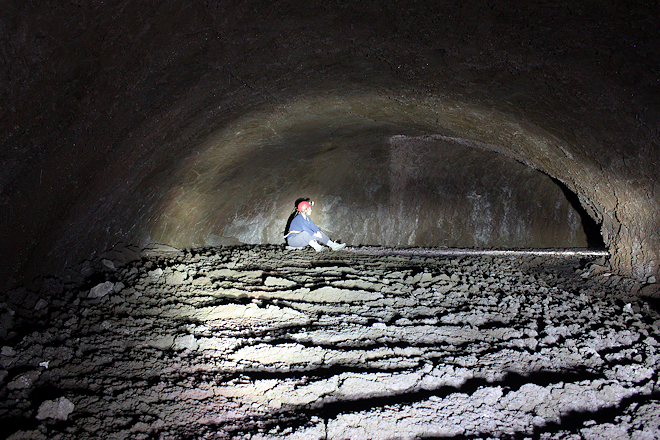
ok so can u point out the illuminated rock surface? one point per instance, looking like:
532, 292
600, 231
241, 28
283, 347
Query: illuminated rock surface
260, 342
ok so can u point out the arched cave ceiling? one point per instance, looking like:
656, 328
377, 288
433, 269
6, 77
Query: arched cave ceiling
411, 123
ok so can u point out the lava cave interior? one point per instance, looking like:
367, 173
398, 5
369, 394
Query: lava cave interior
151, 152
411, 123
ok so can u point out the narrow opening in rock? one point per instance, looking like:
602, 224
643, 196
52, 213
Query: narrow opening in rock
591, 227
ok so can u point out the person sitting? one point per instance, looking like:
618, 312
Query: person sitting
303, 232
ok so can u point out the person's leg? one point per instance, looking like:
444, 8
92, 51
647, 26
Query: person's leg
326, 241
336, 246
299, 240
324, 238
303, 239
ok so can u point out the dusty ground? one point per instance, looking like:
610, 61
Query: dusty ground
260, 342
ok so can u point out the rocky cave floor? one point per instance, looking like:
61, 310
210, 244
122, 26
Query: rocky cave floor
261, 342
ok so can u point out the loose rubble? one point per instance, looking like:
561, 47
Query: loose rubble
263, 343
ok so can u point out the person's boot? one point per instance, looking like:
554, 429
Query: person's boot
317, 247
336, 246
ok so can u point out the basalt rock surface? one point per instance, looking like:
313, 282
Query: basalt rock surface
261, 342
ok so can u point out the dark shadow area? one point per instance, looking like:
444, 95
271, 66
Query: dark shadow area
512, 382
590, 226
653, 303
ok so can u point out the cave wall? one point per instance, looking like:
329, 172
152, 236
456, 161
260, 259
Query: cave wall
371, 187
128, 122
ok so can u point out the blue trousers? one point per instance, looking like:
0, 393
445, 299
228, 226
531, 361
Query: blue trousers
303, 238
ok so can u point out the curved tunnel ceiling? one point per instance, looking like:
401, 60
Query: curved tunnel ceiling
376, 185
175, 122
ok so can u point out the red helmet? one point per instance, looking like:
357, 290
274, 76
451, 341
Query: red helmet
304, 205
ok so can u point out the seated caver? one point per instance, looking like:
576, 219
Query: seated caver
303, 232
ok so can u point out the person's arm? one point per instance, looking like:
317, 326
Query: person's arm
313, 229
299, 223
295, 225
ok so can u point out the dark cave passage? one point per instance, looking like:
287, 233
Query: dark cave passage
590, 226
372, 185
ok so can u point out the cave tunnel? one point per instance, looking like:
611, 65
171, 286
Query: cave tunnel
141, 141
410, 123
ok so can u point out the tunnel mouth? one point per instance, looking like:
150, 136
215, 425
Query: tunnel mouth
377, 182
384, 172
590, 226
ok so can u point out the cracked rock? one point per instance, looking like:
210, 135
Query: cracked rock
55, 409
260, 342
